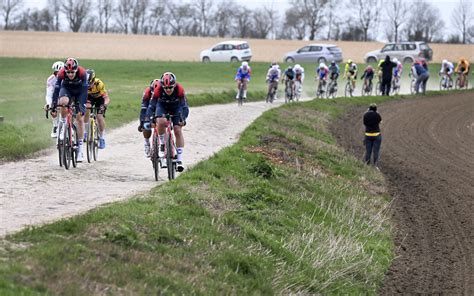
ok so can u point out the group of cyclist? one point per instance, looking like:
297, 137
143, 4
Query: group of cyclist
72, 85
448, 69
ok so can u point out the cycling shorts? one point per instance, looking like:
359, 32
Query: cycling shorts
96, 102
173, 109
79, 98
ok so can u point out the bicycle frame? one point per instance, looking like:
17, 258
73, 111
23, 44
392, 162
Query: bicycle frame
92, 136
243, 86
289, 85
69, 142
272, 88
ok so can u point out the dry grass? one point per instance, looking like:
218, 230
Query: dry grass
172, 48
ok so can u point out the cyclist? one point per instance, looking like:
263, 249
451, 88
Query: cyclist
462, 68
379, 70
447, 68
397, 72
322, 74
273, 76
299, 76
169, 97
147, 94
243, 74
289, 78
72, 85
368, 75
50, 83
98, 98
334, 71
350, 72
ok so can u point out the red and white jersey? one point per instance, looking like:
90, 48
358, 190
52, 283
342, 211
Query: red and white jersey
50, 83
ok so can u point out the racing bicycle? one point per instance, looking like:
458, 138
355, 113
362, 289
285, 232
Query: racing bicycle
395, 85
289, 90
67, 143
321, 91
464, 77
331, 89
367, 87
446, 82
240, 96
272, 88
92, 140
349, 90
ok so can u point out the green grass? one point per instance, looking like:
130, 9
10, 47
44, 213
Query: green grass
283, 211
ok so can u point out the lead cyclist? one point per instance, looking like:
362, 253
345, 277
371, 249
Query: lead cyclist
299, 79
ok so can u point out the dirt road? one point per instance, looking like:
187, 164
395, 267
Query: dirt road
428, 160
36, 191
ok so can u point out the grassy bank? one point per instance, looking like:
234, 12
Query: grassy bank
282, 211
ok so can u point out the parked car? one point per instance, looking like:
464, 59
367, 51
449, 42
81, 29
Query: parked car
320, 53
406, 52
233, 51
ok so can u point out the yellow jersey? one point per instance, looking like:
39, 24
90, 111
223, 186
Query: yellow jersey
96, 89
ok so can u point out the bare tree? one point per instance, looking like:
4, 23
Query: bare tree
137, 15
313, 13
243, 26
273, 18
226, 11
178, 17
41, 20
155, 17
123, 16
76, 12
204, 10
396, 16
461, 18
105, 12
330, 8
426, 26
295, 24
55, 8
368, 14
261, 24
9, 9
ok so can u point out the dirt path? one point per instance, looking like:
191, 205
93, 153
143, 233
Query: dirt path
30, 191
428, 160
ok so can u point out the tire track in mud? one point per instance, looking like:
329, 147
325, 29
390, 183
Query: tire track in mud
428, 161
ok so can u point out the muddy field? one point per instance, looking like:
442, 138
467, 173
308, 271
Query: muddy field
428, 160
143, 47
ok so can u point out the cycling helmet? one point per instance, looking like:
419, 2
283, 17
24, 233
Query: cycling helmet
154, 84
322, 65
369, 68
90, 75
57, 66
71, 64
168, 80
349, 61
333, 63
445, 62
297, 66
290, 68
395, 60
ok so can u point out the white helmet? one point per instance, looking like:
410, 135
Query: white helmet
57, 66
395, 60
245, 64
445, 62
297, 66
322, 65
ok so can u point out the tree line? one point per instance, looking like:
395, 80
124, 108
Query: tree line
355, 20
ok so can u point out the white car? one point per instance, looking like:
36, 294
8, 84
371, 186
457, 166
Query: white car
234, 51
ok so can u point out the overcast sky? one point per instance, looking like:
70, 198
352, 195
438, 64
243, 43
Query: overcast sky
445, 6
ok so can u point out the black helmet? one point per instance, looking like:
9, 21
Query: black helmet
90, 75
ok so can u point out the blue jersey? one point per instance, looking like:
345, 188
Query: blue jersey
334, 69
241, 74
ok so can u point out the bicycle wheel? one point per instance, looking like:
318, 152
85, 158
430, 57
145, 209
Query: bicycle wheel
95, 142
348, 90
377, 88
241, 95
89, 140
74, 146
59, 145
170, 163
442, 84
412, 86
154, 156
67, 148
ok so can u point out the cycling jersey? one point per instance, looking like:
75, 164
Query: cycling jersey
289, 74
96, 89
397, 71
72, 88
273, 74
242, 74
161, 103
351, 68
50, 83
447, 68
463, 66
299, 73
368, 74
147, 94
323, 73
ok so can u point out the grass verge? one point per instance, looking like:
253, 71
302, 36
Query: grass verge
283, 211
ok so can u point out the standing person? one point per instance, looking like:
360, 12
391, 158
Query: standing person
169, 97
50, 83
387, 71
243, 76
422, 76
98, 98
373, 137
147, 94
72, 85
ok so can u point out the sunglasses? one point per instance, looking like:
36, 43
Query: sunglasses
70, 72
168, 87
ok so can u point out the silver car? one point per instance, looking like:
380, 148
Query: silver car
406, 52
315, 53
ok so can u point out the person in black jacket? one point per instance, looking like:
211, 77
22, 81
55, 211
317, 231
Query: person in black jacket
387, 70
373, 137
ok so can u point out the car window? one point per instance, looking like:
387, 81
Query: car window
334, 49
388, 47
243, 46
424, 46
229, 47
218, 47
316, 48
410, 46
399, 47
304, 49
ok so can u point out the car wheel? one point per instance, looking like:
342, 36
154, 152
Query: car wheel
407, 60
371, 60
321, 60
290, 60
206, 59
234, 59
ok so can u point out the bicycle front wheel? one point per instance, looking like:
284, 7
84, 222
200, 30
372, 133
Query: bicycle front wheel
170, 163
95, 142
67, 148
154, 156
74, 146
348, 90
90, 137
59, 145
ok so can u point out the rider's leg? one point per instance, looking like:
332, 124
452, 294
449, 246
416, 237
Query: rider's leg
101, 123
63, 101
178, 132
245, 88
86, 119
238, 89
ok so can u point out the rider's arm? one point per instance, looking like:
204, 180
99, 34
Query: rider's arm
57, 87
49, 90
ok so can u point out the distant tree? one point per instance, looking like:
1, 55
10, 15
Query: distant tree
224, 17
273, 18
353, 33
243, 23
461, 18
205, 11
330, 9
396, 16
55, 9
104, 10
368, 15
76, 12
312, 11
123, 16
138, 15
178, 17
424, 23
41, 20
156, 17
261, 23
295, 24
10, 8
